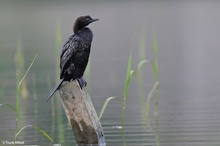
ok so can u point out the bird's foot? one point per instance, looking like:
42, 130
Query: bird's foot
82, 82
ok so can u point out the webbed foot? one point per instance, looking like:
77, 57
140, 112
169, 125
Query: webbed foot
82, 82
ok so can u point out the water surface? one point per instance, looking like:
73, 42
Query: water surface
188, 41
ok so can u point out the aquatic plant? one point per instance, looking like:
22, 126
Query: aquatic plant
106, 103
17, 106
59, 118
20, 81
147, 100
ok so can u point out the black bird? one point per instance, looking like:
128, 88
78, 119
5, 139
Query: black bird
75, 53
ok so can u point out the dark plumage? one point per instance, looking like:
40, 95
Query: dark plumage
75, 53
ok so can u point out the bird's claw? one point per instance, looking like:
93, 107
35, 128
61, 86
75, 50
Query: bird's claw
82, 82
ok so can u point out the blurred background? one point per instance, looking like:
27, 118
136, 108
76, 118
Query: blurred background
187, 36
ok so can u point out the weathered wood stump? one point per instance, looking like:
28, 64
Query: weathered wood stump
81, 114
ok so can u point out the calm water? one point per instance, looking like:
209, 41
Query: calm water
188, 40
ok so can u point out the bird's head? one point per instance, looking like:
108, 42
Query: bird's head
83, 21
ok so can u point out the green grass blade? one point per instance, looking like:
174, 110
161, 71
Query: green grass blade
155, 64
35, 127
140, 84
44, 133
19, 84
8, 105
133, 73
155, 70
140, 65
16, 135
126, 87
155, 45
128, 76
148, 103
104, 106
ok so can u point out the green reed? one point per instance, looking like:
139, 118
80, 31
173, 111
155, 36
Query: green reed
105, 105
154, 92
36, 108
156, 75
129, 74
17, 106
140, 83
20, 81
59, 118
20, 68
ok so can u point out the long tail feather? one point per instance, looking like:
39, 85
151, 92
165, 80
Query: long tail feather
55, 89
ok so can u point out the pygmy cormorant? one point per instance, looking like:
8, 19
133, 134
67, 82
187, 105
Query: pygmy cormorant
75, 53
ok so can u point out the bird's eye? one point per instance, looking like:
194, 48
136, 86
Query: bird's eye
87, 19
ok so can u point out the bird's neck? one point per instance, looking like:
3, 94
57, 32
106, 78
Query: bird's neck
84, 32
77, 28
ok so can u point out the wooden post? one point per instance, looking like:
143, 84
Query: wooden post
81, 114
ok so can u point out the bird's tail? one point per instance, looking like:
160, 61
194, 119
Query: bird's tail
55, 89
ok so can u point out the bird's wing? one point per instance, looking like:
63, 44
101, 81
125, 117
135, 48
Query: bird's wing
68, 53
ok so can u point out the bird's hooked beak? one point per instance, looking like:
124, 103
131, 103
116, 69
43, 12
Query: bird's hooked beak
93, 20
